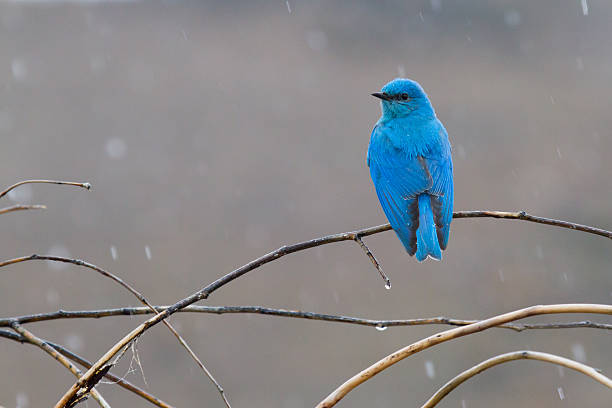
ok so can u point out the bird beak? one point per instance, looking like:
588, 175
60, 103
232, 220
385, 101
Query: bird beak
381, 95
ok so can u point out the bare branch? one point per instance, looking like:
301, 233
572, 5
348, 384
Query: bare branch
451, 334
441, 320
80, 360
280, 252
21, 207
32, 339
133, 291
515, 355
67, 183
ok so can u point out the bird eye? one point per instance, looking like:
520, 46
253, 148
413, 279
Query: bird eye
404, 96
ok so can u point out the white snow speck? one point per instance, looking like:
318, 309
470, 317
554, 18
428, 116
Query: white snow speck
512, 18
561, 393
22, 399
579, 352
19, 69
21, 194
148, 252
430, 369
113, 252
585, 7
60, 251
317, 40
116, 148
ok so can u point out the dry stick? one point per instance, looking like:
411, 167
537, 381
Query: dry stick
131, 311
32, 339
133, 291
78, 359
447, 335
374, 261
280, 252
21, 207
515, 355
67, 183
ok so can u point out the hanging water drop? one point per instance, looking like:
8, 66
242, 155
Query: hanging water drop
381, 327
388, 284
561, 393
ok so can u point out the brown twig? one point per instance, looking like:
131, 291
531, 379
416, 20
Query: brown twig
133, 291
280, 252
441, 320
80, 360
374, 261
32, 339
515, 355
21, 207
359, 378
67, 183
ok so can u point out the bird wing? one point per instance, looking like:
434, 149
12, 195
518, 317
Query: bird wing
399, 178
440, 168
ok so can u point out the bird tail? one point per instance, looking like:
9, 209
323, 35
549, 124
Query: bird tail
427, 237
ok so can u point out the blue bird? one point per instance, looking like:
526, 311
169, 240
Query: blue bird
411, 166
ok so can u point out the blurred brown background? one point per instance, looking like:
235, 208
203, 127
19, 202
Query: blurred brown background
213, 132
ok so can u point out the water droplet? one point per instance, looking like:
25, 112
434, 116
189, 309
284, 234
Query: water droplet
116, 148
579, 352
559, 152
381, 327
585, 7
113, 251
148, 252
430, 369
388, 284
561, 393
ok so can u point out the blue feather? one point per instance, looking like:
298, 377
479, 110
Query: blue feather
411, 166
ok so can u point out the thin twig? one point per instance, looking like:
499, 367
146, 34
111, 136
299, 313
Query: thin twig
32, 339
280, 252
80, 360
374, 261
359, 378
299, 314
67, 183
133, 291
21, 207
515, 355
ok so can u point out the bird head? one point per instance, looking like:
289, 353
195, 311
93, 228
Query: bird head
402, 97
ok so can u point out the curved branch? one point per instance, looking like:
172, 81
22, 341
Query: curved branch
86, 186
80, 360
21, 207
515, 355
274, 255
361, 377
298, 314
133, 291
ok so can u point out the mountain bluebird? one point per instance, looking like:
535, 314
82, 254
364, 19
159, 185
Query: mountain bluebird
410, 163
